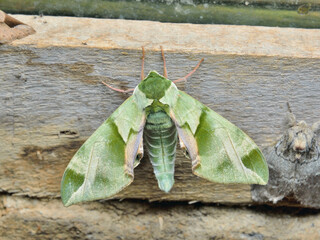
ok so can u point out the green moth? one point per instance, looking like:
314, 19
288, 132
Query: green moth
158, 115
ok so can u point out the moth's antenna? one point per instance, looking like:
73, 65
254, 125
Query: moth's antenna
189, 74
142, 67
131, 89
290, 119
165, 74
118, 90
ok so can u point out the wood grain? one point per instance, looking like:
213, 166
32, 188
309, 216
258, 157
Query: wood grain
205, 38
39, 219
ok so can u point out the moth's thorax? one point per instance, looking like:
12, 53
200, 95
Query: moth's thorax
155, 92
298, 144
156, 107
154, 86
158, 120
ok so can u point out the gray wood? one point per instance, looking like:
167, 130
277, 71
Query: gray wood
52, 101
39, 219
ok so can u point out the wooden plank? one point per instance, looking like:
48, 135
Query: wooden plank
53, 101
214, 39
22, 218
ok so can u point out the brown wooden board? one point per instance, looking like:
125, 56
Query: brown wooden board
206, 38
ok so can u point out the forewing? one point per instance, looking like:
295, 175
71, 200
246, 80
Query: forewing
307, 191
281, 179
103, 165
307, 187
219, 150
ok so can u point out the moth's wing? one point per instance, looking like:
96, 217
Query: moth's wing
281, 179
104, 164
220, 151
307, 187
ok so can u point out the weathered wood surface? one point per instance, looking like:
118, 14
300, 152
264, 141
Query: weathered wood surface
213, 39
42, 219
52, 98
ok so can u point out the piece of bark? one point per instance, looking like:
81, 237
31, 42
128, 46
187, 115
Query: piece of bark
294, 166
12, 29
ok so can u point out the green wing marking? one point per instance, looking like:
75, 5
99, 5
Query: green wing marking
219, 150
103, 165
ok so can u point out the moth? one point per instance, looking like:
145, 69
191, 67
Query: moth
158, 115
294, 165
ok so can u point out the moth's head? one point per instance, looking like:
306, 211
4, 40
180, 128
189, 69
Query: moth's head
299, 142
154, 86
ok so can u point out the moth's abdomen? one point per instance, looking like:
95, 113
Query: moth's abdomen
160, 137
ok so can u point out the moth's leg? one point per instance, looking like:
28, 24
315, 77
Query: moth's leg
165, 74
190, 73
142, 65
184, 148
139, 154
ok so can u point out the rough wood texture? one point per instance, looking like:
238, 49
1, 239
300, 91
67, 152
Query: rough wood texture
214, 39
41, 219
